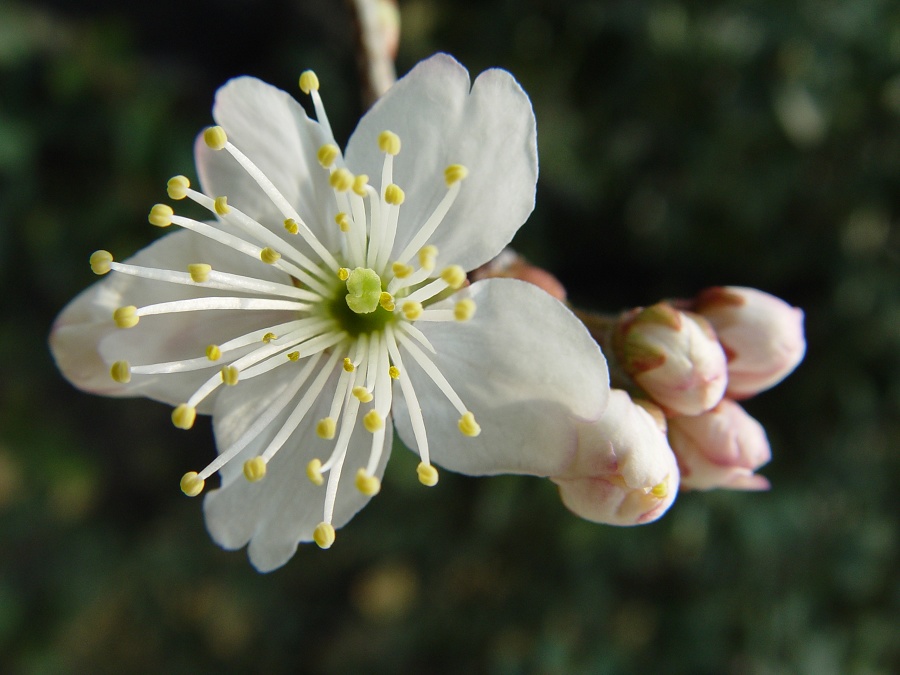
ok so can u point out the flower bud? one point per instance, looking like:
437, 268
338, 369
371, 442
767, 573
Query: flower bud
720, 449
623, 472
762, 336
509, 264
674, 356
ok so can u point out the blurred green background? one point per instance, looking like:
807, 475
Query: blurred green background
682, 145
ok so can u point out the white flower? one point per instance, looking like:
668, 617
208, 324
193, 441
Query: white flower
330, 295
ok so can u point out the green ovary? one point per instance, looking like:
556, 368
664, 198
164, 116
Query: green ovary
363, 290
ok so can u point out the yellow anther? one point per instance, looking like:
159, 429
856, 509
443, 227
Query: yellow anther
454, 275
100, 261
359, 184
411, 309
126, 317
394, 195
230, 375
183, 416
660, 490
314, 472
269, 256
255, 469
368, 484
221, 206
401, 270
348, 365
325, 428
161, 215
192, 484
291, 226
428, 475
394, 372
213, 353
343, 221
327, 154
199, 272
341, 180
372, 421
177, 187
323, 535
363, 394
428, 257
293, 356
468, 426
389, 142
215, 137
464, 309
386, 300
268, 337
343, 274
455, 173
121, 372
309, 81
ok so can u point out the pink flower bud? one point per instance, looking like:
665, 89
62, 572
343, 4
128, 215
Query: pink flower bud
623, 472
674, 356
509, 264
720, 449
762, 336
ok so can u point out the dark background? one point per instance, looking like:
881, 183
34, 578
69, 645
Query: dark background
682, 145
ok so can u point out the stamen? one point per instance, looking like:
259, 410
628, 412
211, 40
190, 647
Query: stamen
126, 317
455, 173
268, 337
348, 365
230, 375
309, 84
389, 142
291, 226
213, 352
327, 154
433, 372
455, 276
394, 372
199, 272
184, 416
255, 469
121, 372
468, 426
393, 195
221, 206
177, 187
428, 257
368, 484
192, 484
372, 421
294, 356
314, 472
660, 490
215, 138
323, 535
429, 226
161, 215
341, 180
386, 300
309, 81
363, 394
464, 309
428, 475
100, 262
325, 429
401, 270
409, 393
359, 184
269, 256
343, 221
411, 309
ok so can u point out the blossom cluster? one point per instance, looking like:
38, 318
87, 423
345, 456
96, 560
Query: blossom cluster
335, 297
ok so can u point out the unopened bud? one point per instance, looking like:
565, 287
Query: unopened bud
623, 472
674, 356
762, 336
720, 449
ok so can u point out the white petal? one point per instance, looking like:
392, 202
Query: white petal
277, 513
272, 129
85, 341
526, 367
490, 130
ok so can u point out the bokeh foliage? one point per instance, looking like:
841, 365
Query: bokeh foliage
683, 144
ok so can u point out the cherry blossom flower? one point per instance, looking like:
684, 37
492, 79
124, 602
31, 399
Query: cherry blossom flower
329, 297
